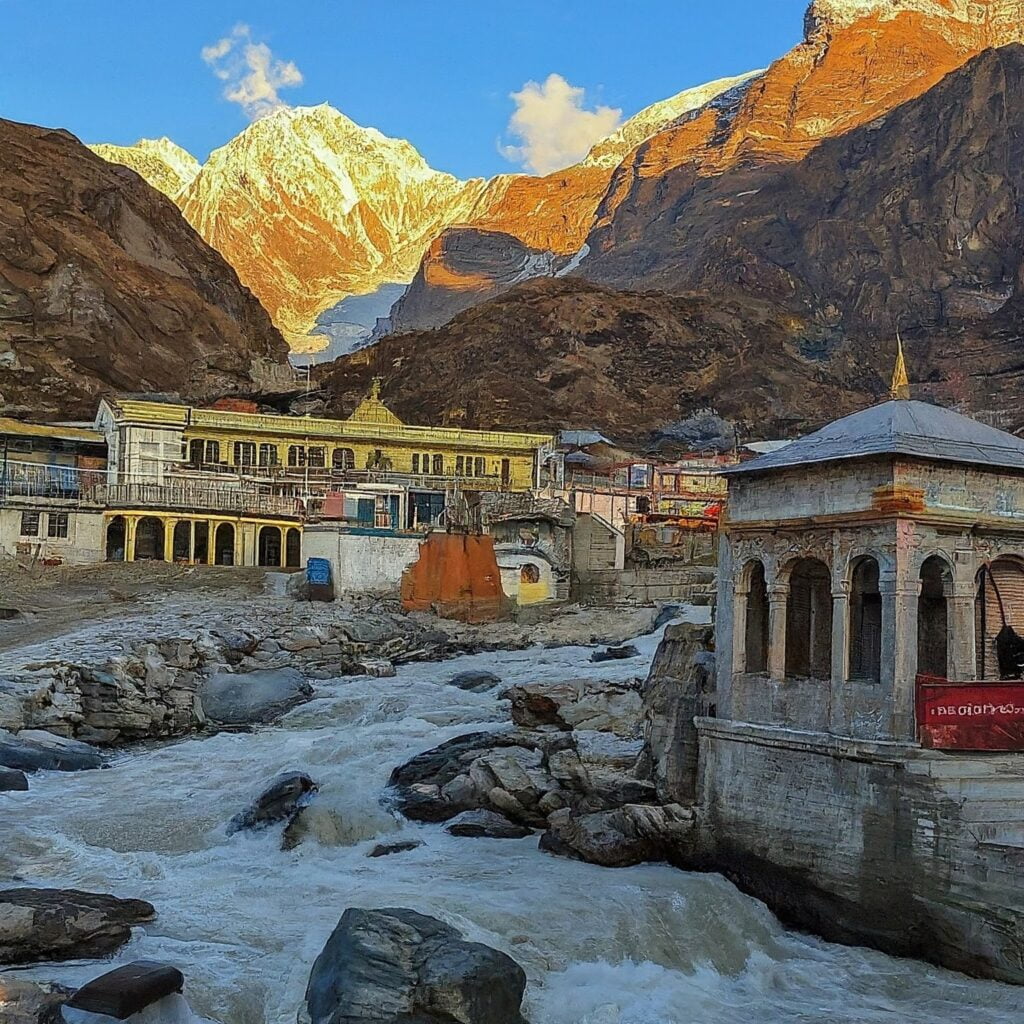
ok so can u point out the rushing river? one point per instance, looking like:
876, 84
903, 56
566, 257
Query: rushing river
244, 920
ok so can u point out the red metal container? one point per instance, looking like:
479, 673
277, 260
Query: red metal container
970, 716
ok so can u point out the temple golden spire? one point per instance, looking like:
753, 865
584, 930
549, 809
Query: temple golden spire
899, 390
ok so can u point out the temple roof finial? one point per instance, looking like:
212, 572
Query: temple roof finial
899, 390
375, 388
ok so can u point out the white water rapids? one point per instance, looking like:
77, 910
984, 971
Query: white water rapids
244, 920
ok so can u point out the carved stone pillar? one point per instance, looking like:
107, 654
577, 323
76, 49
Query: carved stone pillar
840, 654
961, 656
741, 593
899, 652
778, 598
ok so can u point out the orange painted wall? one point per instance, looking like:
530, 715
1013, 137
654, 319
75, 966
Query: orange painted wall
456, 576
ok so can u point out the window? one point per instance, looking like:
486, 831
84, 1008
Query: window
343, 458
296, 455
809, 621
425, 463
638, 476
213, 451
56, 524
756, 638
469, 465
196, 448
245, 453
506, 470
268, 454
459, 465
438, 465
933, 619
865, 622
480, 467
416, 463
315, 457
30, 524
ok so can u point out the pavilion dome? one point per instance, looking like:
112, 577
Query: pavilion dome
898, 427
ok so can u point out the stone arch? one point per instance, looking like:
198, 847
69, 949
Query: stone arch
181, 541
864, 637
755, 639
808, 619
293, 548
999, 608
117, 534
269, 546
933, 636
224, 545
149, 539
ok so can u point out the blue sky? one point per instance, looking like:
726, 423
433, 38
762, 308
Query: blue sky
437, 72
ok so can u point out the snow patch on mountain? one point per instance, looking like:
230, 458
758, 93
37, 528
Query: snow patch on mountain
611, 151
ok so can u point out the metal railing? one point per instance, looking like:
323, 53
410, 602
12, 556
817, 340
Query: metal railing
193, 497
43, 480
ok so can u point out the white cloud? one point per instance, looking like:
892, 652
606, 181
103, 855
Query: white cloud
252, 74
553, 126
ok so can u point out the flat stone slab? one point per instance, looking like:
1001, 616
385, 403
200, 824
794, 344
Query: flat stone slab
486, 825
34, 750
65, 924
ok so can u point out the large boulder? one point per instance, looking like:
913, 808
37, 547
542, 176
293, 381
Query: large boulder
130, 989
252, 698
621, 837
601, 705
65, 924
31, 1002
280, 801
394, 966
435, 786
35, 750
680, 686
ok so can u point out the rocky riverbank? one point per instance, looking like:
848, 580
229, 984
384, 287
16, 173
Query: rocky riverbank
166, 670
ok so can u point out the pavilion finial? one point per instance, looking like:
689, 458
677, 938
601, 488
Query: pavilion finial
899, 390
375, 388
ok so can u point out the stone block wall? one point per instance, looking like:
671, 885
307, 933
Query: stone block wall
916, 852
692, 585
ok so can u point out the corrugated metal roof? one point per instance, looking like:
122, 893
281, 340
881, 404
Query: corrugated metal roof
57, 431
898, 428
581, 438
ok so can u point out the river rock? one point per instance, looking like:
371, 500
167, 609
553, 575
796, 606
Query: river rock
620, 837
281, 800
315, 821
65, 924
486, 825
475, 681
616, 653
128, 990
250, 698
388, 849
602, 705
394, 966
31, 1002
436, 785
35, 750
12, 781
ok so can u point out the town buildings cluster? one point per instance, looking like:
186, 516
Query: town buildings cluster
153, 479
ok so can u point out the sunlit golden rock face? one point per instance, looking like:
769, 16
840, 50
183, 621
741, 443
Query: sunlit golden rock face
859, 59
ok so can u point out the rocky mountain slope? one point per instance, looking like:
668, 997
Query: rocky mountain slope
859, 59
104, 286
164, 164
311, 208
792, 277
556, 353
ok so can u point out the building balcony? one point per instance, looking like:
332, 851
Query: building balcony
189, 496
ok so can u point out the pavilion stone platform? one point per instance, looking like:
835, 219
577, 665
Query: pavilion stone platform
851, 564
